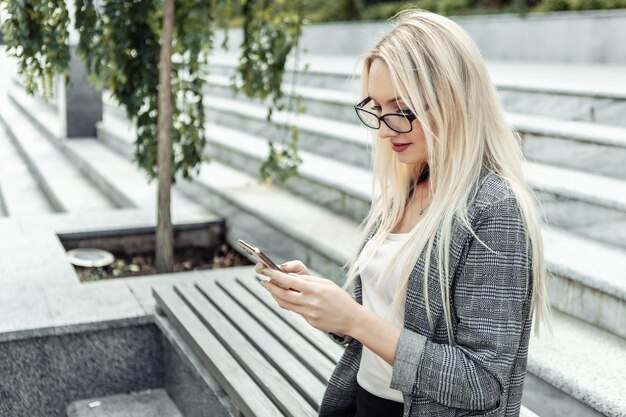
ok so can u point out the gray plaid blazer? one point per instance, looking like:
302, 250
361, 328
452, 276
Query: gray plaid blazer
482, 374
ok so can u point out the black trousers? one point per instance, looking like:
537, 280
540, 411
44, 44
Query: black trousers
369, 405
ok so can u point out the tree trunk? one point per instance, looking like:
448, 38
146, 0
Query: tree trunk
164, 235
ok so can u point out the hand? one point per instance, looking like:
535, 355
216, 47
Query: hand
322, 303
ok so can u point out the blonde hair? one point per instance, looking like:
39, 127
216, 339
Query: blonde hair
435, 65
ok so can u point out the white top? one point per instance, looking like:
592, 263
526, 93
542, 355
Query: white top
374, 373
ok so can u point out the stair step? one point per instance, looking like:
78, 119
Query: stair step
126, 176
66, 188
588, 279
20, 194
594, 205
588, 205
346, 142
327, 103
583, 361
343, 188
591, 289
147, 403
259, 214
584, 146
117, 177
591, 205
583, 92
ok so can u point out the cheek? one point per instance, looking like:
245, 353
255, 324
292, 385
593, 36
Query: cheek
417, 136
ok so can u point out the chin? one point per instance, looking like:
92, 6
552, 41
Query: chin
409, 160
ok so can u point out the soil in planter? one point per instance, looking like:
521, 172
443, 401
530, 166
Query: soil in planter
185, 259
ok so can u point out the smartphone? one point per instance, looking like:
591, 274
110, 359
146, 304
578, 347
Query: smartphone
263, 258
260, 256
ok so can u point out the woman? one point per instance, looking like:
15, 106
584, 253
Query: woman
451, 268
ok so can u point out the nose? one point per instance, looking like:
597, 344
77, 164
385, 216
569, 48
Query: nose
386, 132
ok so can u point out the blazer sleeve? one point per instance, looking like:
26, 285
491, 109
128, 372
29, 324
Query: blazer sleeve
490, 299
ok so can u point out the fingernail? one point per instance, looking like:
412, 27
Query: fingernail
262, 283
267, 272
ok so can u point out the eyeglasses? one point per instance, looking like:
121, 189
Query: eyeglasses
398, 122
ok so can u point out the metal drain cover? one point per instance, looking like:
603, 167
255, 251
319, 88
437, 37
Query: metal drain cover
89, 257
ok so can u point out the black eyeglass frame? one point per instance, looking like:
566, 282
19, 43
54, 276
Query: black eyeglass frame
410, 116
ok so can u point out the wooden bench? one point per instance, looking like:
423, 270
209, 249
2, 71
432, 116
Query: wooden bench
269, 361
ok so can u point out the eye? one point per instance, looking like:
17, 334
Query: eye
376, 108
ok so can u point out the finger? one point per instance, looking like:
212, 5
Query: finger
291, 307
292, 266
286, 295
293, 281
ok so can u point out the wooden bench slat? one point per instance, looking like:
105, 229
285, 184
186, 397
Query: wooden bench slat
318, 338
293, 341
268, 378
239, 386
289, 366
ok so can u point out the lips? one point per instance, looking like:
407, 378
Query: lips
399, 147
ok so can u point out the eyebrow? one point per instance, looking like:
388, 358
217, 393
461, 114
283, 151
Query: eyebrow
393, 100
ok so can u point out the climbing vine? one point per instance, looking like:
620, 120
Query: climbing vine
36, 33
119, 40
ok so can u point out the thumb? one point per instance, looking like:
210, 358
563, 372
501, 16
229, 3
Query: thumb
296, 267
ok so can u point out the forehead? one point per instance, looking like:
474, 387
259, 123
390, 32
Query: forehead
379, 83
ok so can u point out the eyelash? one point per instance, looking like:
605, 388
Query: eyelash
405, 111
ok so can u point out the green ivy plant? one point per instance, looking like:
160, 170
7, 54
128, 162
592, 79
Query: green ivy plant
119, 40
36, 34
270, 34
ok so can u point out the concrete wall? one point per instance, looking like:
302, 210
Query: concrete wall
586, 37
41, 375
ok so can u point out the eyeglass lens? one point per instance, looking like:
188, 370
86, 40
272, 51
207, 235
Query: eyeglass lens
396, 122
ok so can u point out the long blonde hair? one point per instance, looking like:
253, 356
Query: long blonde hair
435, 65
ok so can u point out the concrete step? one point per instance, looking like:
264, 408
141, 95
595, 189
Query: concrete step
587, 279
20, 194
588, 276
316, 101
593, 93
66, 189
346, 142
577, 92
46, 122
585, 146
585, 204
128, 179
583, 106
591, 205
116, 177
578, 370
331, 72
344, 189
148, 403
582, 146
